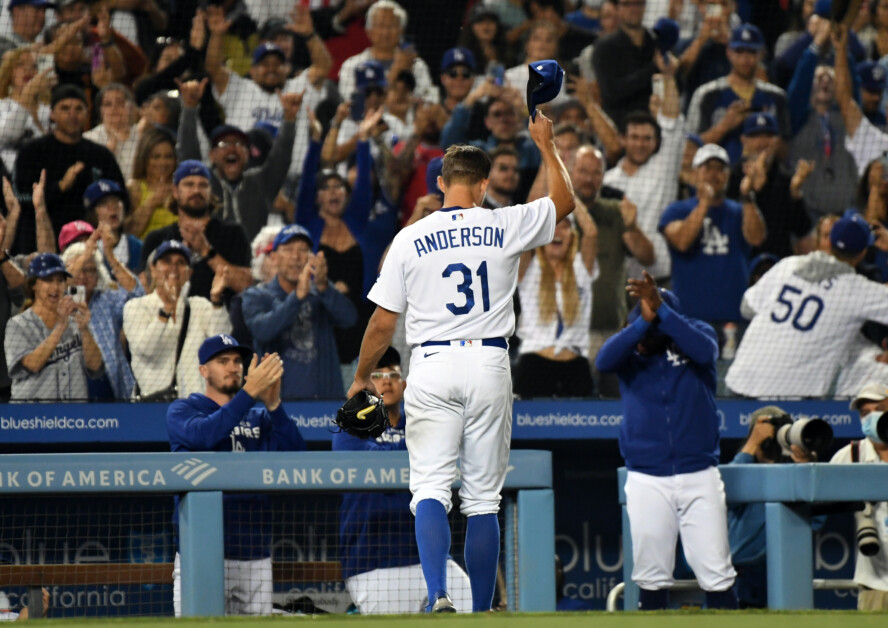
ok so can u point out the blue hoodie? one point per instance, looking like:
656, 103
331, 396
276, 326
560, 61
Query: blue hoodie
200, 424
670, 422
375, 529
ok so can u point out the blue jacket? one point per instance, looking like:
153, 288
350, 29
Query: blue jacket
375, 529
199, 424
670, 424
301, 331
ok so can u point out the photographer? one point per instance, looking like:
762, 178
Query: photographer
871, 571
746, 522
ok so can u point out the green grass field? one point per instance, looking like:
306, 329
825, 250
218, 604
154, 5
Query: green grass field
676, 619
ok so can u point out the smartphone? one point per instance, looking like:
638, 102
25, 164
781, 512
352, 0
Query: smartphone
714, 10
657, 86
497, 72
77, 294
357, 106
98, 58
45, 62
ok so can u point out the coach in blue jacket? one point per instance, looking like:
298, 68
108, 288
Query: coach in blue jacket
665, 363
380, 561
226, 419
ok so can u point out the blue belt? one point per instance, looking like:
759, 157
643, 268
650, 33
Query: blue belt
486, 342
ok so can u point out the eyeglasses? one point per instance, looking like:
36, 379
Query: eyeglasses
166, 41
333, 187
224, 144
379, 375
457, 74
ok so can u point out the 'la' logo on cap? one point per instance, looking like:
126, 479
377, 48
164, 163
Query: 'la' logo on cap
104, 186
540, 68
227, 340
878, 73
746, 35
761, 121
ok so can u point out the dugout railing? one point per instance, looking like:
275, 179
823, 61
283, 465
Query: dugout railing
201, 478
788, 492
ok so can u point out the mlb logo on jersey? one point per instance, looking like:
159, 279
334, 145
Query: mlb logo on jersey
465, 343
458, 216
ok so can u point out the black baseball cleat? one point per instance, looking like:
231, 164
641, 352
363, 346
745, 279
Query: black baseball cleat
443, 603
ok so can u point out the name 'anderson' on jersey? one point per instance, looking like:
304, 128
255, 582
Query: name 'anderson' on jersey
455, 271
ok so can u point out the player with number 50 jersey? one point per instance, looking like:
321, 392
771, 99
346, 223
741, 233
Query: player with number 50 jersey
805, 312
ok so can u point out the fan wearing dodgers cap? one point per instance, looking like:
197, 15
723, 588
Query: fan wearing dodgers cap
805, 313
718, 108
247, 101
227, 416
457, 76
294, 315
27, 19
709, 240
872, 91
49, 347
778, 190
870, 572
666, 365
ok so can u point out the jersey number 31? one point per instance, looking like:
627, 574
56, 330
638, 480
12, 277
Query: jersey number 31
466, 287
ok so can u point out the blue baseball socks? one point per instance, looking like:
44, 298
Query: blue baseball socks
482, 557
433, 543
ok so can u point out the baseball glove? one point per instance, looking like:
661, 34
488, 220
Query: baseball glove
363, 415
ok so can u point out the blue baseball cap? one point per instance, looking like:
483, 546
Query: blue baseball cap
872, 76
433, 171
823, 8
189, 168
214, 345
171, 245
46, 264
458, 56
763, 259
747, 37
45, 4
266, 49
291, 232
851, 234
99, 190
370, 74
758, 123
666, 31
543, 83
669, 299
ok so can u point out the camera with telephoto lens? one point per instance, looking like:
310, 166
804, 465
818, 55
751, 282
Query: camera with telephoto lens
811, 434
867, 534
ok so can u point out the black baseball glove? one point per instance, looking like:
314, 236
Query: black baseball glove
363, 415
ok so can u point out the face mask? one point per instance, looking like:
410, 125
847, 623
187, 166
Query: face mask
869, 423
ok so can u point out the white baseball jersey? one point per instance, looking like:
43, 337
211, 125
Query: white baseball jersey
246, 104
807, 310
455, 271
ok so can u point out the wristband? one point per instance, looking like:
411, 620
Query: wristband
164, 314
749, 197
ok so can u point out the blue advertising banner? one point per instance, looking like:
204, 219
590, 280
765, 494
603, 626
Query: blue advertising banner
532, 420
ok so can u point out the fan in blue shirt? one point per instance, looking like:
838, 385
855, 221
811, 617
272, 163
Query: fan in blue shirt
225, 419
380, 561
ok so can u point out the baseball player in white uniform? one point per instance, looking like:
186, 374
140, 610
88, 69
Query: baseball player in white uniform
453, 274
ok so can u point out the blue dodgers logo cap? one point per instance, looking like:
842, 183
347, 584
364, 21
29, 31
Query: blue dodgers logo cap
669, 299
872, 76
266, 49
543, 83
433, 171
758, 123
823, 8
33, 3
851, 234
747, 37
214, 345
458, 56
291, 232
370, 74
171, 245
189, 168
99, 190
666, 31
46, 264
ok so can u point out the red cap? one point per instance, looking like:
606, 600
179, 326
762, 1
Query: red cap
72, 231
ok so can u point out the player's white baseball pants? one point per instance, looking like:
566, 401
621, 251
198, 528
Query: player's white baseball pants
690, 504
248, 587
459, 410
397, 590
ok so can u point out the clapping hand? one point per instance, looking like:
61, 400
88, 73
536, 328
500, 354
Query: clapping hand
645, 290
261, 377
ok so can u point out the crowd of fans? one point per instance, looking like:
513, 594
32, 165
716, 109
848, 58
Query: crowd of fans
240, 166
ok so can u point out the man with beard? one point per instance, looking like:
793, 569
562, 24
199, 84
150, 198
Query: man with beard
669, 437
217, 246
225, 418
619, 238
718, 108
504, 178
295, 313
249, 101
71, 163
710, 238
247, 195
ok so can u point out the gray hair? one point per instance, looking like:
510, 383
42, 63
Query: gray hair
396, 8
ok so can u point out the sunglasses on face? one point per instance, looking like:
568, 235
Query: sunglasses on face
379, 376
463, 74
224, 144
